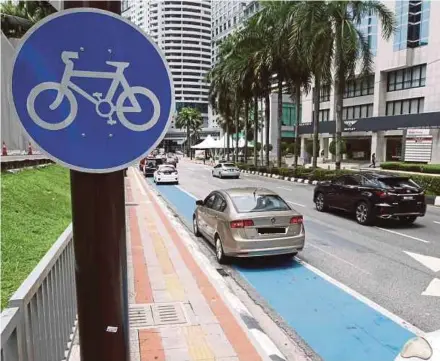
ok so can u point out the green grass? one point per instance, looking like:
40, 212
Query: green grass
35, 210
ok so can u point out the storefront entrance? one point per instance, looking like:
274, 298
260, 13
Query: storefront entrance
393, 149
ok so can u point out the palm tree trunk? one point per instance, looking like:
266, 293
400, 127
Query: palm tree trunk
237, 116
227, 140
246, 130
316, 122
267, 125
280, 117
340, 85
261, 121
255, 130
188, 142
298, 120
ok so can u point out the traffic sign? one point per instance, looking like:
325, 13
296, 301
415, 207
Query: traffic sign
91, 90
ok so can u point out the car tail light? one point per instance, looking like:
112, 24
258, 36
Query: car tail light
381, 194
296, 220
242, 223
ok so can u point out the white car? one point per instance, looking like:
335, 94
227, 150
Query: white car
166, 173
226, 170
426, 348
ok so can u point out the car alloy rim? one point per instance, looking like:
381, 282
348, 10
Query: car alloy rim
320, 201
218, 247
361, 212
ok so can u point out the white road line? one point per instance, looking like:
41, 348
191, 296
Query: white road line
186, 192
403, 235
363, 299
285, 188
436, 222
296, 204
339, 258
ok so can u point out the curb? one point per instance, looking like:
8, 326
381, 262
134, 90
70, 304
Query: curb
275, 176
431, 200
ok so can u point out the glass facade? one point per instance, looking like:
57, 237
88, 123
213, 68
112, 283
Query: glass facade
368, 27
359, 87
412, 24
289, 114
357, 111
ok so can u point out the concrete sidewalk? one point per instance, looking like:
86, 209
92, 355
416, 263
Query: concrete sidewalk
176, 312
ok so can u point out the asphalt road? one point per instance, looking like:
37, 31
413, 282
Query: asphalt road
370, 260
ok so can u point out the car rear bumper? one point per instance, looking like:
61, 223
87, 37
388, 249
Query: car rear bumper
230, 174
386, 210
167, 179
250, 248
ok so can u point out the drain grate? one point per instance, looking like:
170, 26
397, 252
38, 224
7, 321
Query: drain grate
168, 314
140, 316
152, 315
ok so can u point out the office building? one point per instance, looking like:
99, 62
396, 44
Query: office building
394, 112
182, 29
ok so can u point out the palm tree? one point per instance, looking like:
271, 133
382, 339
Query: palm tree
340, 22
309, 23
190, 119
18, 17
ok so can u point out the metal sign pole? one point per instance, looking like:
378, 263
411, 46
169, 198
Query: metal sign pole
99, 234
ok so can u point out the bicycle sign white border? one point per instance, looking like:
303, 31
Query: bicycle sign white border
41, 23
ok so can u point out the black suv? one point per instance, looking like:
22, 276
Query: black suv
372, 195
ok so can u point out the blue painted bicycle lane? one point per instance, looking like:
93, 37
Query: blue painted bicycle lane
335, 324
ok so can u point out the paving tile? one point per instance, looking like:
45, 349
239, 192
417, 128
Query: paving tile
177, 354
198, 347
172, 338
161, 296
217, 340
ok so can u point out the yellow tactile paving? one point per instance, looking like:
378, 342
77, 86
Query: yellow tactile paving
197, 346
175, 288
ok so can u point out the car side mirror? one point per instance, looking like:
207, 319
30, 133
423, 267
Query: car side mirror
199, 203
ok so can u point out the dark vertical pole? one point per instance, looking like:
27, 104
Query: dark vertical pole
99, 234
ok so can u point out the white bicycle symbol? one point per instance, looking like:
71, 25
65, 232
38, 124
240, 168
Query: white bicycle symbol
118, 78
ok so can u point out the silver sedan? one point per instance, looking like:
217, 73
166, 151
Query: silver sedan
249, 222
226, 170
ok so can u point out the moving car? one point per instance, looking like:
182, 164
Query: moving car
249, 222
426, 348
166, 173
151, 165
370, 195
226, 170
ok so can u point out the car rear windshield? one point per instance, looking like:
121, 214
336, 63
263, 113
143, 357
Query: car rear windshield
398, 183
229, 165
167, 169
259, 203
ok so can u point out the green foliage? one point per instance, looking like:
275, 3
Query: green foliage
265, 147
412, 167
332, 147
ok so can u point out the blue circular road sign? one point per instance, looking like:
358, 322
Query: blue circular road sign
91, 90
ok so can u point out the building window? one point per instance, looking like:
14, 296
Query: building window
368, 27
359, 87
324, 115
405, 106
357, 111
408, 78
412, 24
324, 93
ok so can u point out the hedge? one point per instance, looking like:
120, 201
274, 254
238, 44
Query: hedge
429, 183
412, 167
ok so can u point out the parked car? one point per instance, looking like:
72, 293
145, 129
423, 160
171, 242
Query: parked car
370, 195
426, 348
226, 170
249, 222
166, 173
171, 161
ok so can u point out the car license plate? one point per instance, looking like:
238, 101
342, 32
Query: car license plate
408, 198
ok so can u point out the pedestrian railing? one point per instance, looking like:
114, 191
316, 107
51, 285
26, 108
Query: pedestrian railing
40, 321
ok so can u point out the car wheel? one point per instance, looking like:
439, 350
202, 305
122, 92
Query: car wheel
407, 219
363, 213
219, 254
196, 226
213, 173
320, 204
